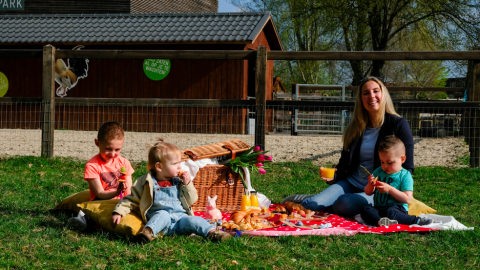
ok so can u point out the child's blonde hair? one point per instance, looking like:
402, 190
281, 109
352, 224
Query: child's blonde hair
392, 143
161, 151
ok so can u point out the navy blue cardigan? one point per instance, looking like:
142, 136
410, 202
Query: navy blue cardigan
392, 125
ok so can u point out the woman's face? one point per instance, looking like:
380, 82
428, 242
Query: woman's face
371, 97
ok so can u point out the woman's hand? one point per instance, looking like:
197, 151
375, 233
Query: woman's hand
116, 218
324, 179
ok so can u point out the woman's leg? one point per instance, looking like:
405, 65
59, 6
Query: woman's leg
326, 198
351, 204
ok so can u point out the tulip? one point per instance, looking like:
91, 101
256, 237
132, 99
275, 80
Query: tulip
262, 171
256, 149
269, 158
261, 158
259, 165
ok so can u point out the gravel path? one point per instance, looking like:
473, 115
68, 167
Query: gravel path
318, 149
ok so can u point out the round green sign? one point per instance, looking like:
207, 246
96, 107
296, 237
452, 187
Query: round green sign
156, 69
3, 84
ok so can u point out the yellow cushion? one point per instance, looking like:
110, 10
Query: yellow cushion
101, 213
416, 207
70, 203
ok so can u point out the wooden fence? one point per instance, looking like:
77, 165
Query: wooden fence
260, 56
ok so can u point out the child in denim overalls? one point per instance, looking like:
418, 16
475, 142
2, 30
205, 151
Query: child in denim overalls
164, 199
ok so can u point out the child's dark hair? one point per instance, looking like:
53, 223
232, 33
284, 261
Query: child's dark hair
110, 131
392, 143
161, 151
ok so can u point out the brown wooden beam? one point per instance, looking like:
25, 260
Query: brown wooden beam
154, 54
260, 96
48, 101
436, 55
36, 53
390, 88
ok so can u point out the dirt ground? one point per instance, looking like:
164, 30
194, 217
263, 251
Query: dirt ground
318, 149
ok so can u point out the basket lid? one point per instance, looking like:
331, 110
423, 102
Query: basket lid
215, 150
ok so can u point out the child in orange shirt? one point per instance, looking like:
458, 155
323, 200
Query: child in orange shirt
103, 171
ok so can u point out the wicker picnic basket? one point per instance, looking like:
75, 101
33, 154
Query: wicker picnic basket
217, 180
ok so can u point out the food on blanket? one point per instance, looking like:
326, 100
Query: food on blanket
291, 206
235, 226
283, 216
301, 213
280, 208
237, 216
245, 227
254, 211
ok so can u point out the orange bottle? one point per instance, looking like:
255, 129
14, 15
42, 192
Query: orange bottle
245, 203
254, 199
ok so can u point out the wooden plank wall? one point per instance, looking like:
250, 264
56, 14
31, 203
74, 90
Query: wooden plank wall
73, 7
124, 78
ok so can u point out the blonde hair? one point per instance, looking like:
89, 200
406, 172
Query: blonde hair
360, 114
161, 151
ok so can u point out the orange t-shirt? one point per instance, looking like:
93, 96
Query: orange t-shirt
109, 174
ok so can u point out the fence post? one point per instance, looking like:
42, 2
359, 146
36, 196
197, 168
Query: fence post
472, 136
260, 95
48, 101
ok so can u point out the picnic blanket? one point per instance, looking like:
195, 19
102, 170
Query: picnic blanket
337, 225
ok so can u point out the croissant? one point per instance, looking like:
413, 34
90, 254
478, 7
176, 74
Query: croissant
237, 216
253, 212
280, 208
235, 226
246, 227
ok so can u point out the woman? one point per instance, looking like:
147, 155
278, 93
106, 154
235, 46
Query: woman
374, 117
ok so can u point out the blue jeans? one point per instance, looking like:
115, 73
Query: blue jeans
341, 198
371, 215
163, 222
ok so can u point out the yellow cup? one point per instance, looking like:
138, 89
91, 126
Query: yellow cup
328, 173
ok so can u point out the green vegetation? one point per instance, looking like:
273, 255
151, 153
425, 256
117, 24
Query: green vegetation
33, 237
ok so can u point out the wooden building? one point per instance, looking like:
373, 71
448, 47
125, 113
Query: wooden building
126, 78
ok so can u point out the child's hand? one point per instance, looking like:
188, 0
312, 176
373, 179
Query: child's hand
383, 187
116, 218
186, 178
121, 187
371, 180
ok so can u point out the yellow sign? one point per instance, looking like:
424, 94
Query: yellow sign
3, 84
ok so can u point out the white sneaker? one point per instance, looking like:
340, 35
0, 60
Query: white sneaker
384, 221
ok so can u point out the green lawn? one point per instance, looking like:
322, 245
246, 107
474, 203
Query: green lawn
32, 237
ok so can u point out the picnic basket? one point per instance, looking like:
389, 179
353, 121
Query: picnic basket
217, 180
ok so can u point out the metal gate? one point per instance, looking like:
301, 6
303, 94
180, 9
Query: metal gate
313, 121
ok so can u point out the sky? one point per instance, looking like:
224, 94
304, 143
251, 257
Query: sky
224, 6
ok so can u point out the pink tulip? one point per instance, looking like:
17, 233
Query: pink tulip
269, 158
262, 171
256, 149
259, 165
261, 158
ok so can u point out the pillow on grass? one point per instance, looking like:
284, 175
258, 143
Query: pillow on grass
101, 213
416, 207
70, 203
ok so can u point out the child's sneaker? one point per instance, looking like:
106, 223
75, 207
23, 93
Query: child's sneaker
297, 198
77, 223
218, 236
422, 221
384, 221
145, 235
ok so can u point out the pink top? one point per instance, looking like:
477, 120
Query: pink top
108, 174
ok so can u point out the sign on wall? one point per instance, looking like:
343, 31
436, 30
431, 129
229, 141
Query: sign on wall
12, 5
156, 69
67, 76
3, 84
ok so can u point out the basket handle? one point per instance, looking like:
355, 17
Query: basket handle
191, 155
229, 147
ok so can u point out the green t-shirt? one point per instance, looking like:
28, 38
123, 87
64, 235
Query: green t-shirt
402, 181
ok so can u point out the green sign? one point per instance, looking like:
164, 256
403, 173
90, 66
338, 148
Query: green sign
12, 4
156, 69
3, 84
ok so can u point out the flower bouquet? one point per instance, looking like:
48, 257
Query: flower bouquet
254, 159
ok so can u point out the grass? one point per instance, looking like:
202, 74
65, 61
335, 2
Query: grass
33, 237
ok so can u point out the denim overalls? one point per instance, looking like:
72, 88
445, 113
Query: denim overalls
167, 216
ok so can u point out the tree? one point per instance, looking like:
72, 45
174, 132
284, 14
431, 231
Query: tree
374, 25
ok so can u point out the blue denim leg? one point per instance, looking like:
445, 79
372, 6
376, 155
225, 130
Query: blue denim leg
192, 224
159, 221
344, 198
